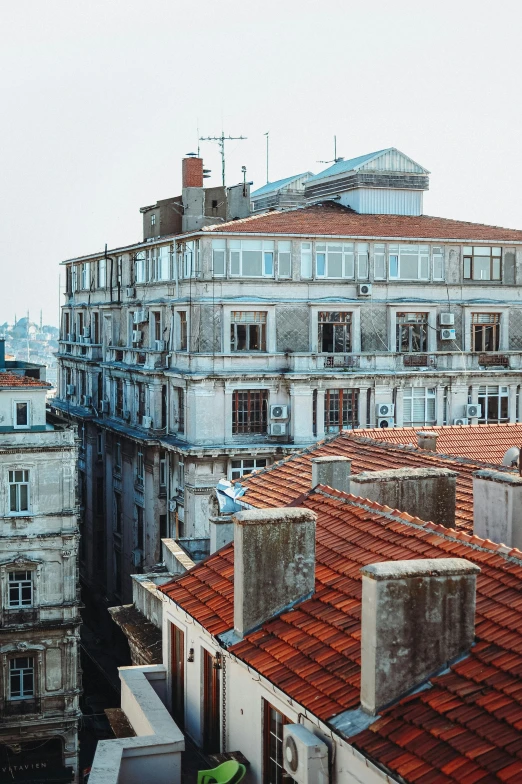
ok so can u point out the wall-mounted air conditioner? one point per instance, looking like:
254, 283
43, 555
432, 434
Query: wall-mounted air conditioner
446, 319
278, 429
136, 335
86, 400
386, 422
137, 557
473, 410
364, 290
460, 421
448, 334
70, 389
278, 412
305, 756
130, 291
146, 422
385, 409
140, 316
172, 505
159, 345
105, 406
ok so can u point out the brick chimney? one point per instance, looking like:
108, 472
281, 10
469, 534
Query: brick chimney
333, 471
417, 617
274, 563
428, 493
497, 507
427, 439
192, 173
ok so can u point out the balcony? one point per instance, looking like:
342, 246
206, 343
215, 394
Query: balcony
20, 708
140, 356
20, 616
80, 349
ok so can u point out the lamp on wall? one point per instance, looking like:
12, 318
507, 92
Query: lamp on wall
217, 661
190, 657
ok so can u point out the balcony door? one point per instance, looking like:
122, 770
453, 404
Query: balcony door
211, 691
177, 660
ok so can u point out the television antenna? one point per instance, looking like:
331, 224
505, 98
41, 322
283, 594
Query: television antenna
221, 141
335, 159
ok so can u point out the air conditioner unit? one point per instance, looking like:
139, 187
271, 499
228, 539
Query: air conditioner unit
446, 319
386, 422
86, 400
364, 290
140, 316
70, 338
172, 505
130, 291
278, 412
136, 336
278, 429
448, 334
86, 332
305, 756
127, 415
385, 409
159, 345
461, 421
137, 557
70, 389
146, 422
473, 410
105, 406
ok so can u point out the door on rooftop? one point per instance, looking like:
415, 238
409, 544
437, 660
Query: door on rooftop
211, 690
177, 668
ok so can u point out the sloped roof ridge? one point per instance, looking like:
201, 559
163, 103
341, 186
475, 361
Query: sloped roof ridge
513, 555
298, 208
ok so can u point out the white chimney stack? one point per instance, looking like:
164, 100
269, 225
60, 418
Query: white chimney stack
497, 507
333, 471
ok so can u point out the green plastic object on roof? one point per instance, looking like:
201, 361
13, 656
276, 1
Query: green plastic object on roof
230, 772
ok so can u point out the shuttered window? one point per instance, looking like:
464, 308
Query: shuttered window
419, 406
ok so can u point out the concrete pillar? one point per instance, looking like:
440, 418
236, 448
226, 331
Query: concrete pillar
319, 414
439, 406
427, 439
428, 493
373, 418
399, 406
497, 507
512, 402
301, 421
417, 616
363, 406
274, 563
333, 471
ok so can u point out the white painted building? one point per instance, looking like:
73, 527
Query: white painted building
39, 603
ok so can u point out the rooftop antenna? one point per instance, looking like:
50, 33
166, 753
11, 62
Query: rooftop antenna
243, 169
221, 141
335, 158
267, 134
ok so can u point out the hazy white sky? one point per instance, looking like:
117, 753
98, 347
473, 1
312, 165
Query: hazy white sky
101, 100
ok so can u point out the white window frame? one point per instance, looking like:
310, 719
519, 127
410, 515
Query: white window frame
238, 247
190, 259
219, 258
19, 585
141, 267
74, 277
469, 310
28, 423
423, 256
102, 273
354, 309
21, 672
242, 470
345, 249
163, 262
413, 307
430, 397
306, 267
25, 482
284, 254
502, 392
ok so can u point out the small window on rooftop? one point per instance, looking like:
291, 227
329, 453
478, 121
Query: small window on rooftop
214, 204
153, 219
21, 414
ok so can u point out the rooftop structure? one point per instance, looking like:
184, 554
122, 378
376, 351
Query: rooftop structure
281, 194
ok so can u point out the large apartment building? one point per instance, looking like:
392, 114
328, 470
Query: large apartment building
217, 349
39, 602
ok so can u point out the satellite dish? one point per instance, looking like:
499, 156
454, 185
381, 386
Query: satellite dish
511, 457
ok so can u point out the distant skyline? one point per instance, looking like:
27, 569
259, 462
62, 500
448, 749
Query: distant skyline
102, 100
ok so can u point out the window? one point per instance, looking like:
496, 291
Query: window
156, 325
481, 263
117, 456
21, 678
246, 465
163, 470
142, 409
85, 275
119, 398
19, 491
284, 258
248, 330
362, 261
252, 258
219, 249
99, 443
419, 406
180, 416
139, 528
20, 589
21, 414
341, 408
412, 332
102, 273
379, 262
140, 265
437, 255
495, 404
183, 341
177, 658
249, 411
335, 260
74, 277
485, 331
335, 332
140, 469
163, 263
306, 260
119, 271
181, 477
409, 262
117, 513
153, 219
211, 699
190, 257
273, 721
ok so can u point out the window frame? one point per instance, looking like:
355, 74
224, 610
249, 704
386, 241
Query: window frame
409, 325
257, 322
481, 328
31, 670
27, 425
20, 584
348, 330
429, 396
394, 252
281, 777
243, 470
140, 467
473, 257
268, 254
348, 396
248, 405
483, 398
25, 482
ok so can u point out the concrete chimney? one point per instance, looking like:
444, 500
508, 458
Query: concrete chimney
428, 493
274, 563
192, 173
333, 471
417, 616
427, 439
497, 507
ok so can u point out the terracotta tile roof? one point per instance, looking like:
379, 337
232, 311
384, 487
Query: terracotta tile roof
283, 482
486, 443
14, 380
333, 219
467, 726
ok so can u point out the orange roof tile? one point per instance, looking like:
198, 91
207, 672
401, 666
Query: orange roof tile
281, 483
467, 726
333, 219
14, 380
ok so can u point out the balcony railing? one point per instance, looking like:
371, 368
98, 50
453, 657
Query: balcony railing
20, 708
